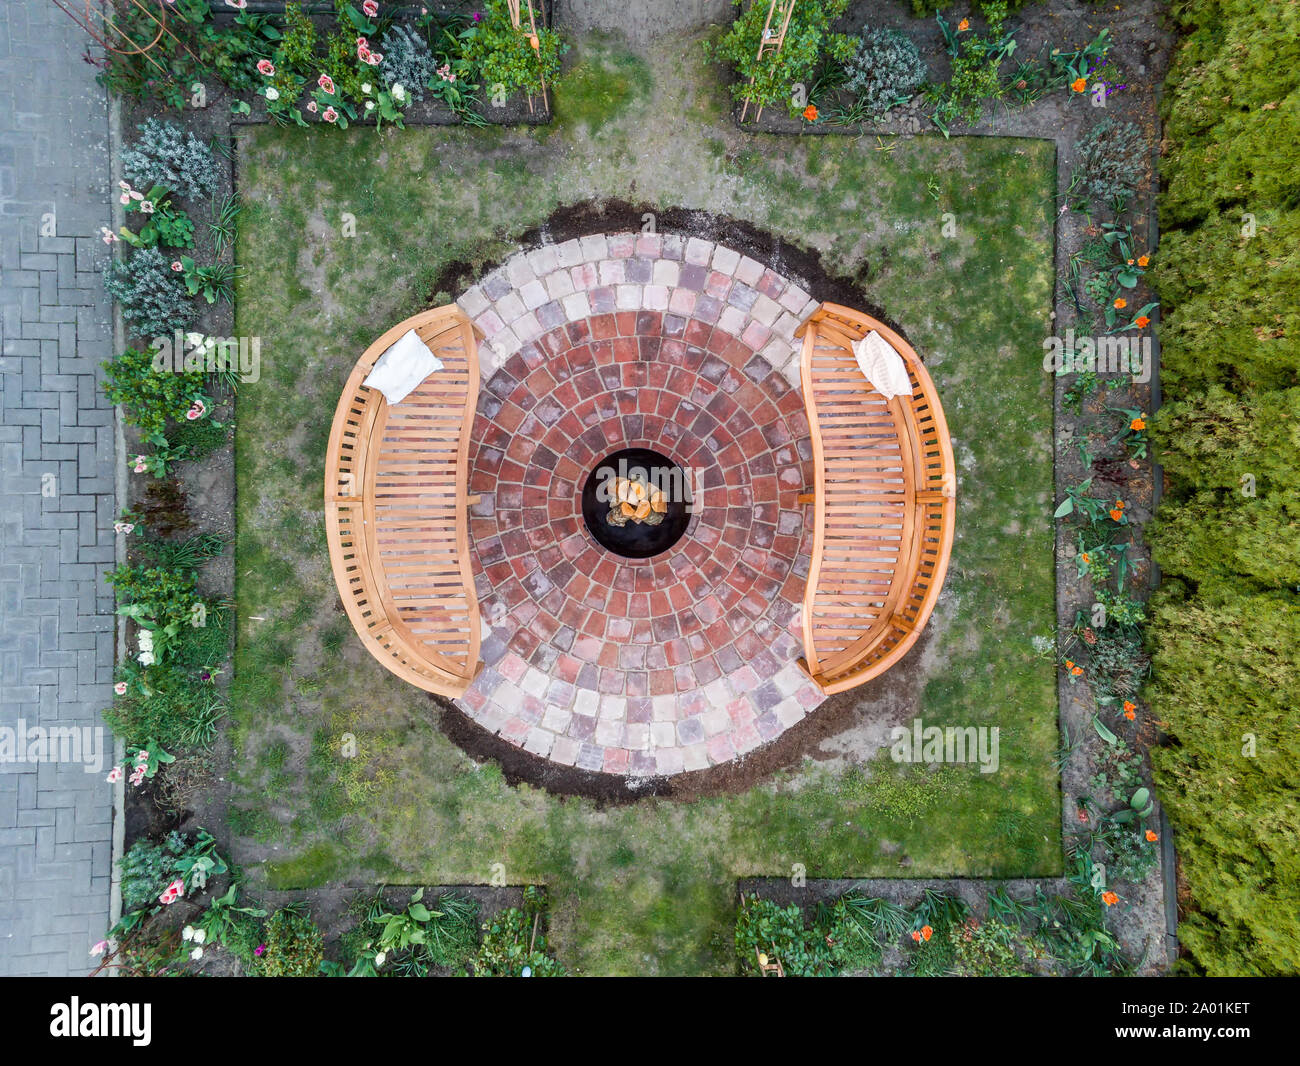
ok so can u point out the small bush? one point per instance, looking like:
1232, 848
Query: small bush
1110, 160
783, 935
147, 868
152, 296
408, 61
885, 69
168, 154
150, 397
515, 938
199, 438
294, 946
1117, 664
502, 55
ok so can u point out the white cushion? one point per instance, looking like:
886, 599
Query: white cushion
883, 366
400, 369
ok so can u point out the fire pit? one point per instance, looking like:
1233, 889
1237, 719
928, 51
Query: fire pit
636, 503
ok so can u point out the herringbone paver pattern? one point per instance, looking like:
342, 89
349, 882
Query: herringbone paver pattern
56, 479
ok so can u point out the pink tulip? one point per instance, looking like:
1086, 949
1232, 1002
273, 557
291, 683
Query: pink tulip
312, 106
120, 688
371, 8
177, 265
99, 948
114, 775
375, 58
326, 83
265, 66
330, 115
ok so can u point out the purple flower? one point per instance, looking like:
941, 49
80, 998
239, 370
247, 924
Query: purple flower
478, 16
260, 950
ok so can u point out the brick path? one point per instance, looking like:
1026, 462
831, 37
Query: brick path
683, 660
56, 613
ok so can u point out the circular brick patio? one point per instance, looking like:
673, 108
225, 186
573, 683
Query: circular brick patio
639, 666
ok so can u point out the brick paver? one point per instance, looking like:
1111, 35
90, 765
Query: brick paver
56, 475
683, 660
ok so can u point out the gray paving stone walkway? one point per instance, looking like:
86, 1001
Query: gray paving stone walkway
57, 502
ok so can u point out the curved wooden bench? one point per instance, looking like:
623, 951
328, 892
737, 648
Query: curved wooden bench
396, 498
883, 504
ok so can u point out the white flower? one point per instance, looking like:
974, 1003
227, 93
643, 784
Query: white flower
370, 105
145, 658
196, 954
272, 93
187, 933
399, 93
379, 959
146, 640
367, 88
200, 936
146, 207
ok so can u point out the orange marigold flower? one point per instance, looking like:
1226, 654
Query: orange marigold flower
810, 112
1116, 514
1129, 705
963, 25
916, 935
1109, 898
1151, 837
1130, 262
1079, 85
1130, 715
1069, 664
1077, 671
1142, 322
926, 932
1085, 557
1138, 423
1120, 301
1143, 260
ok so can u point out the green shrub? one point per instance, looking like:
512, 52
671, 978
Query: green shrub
150, 397
152, 296
167, 154
294, 946
783, 935
808, 44
1117, 664
1110, 160
408, 60
147, 868
503, 56
515, 938
985, 949
199, 437
884, 70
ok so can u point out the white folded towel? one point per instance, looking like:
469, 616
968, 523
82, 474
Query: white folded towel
402, 367
883, 366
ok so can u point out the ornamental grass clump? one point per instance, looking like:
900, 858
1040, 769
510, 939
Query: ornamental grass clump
168, 154
885, 69
151, 294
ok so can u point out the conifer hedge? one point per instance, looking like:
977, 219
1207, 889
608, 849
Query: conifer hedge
1225, 623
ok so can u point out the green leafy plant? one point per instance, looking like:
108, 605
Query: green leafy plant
514, 940
151, 397
1110, 159
808, 44
507, 60
294, 946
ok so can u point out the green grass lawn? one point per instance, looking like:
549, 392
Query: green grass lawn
647, 888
